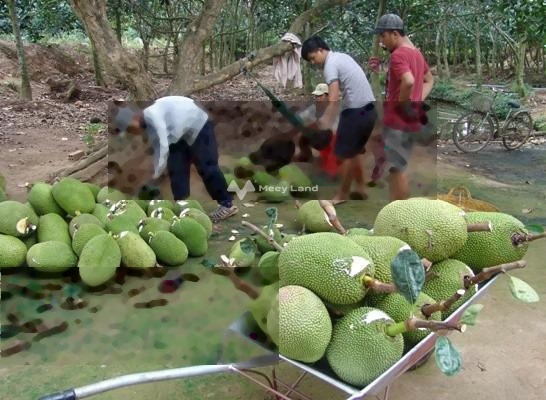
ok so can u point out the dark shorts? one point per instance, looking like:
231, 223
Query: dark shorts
354, 129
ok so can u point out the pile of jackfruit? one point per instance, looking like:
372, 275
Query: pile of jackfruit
325, 297
98, 229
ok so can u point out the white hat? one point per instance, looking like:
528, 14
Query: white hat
322, 88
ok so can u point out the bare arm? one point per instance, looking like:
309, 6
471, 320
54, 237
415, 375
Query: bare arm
332, 111
427, 85
407, 81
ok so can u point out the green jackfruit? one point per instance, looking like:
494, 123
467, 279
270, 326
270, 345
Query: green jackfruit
41, 198
52, 227
99, 259
121, 223
82, 219
263, 244
95, 189
259, 308
3, 195
268, 266
312, 218
13, 252
261, 179
276, 193
192, 234
83, 234
101, 212
2, 182
73, 196
143, 204
188, 203
303, 324
51, 257
152, 225
327, 263
243, 252
360, 349
164, 213
110, 194
432, 229
155, 204
30, 240
299, 182
135, 252
359, 232
244, 169
17, 219
200, 217
168, 248
129, 209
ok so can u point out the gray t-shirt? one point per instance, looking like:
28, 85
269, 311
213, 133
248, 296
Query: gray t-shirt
355, 88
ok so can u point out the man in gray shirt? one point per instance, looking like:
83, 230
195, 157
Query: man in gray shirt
358, 114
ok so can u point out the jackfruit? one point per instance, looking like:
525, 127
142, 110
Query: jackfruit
261, 179
82, 219
327, 263
17, 219
152, 225
30, 240
487, 249
3, 195
121, 223
84, 234
275, 193
287, 237
135, 252
299, 182
168, 248
41, 198
13, 252
143, 204
155, 204
51, 256
99, 259
188, 203
164, 213
263, 244
303, 324
244, 169
434, 230
52, 227
359, 232
101, 212
95, 189
73, 196
243, 252
259, 308
2, 182
360, 349
268, 266
129, 209
110, 194
312, 218
192, 234
200, 217
448, 278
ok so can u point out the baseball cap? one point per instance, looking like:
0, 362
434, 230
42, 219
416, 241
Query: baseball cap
388, 22
321, 89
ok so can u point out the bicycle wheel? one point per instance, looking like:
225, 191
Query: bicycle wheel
472, 131
517, 130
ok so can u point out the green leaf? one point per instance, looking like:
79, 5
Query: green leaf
271, 213
522, 291
408, 274
447, 357
536, 228
470, 314
247, 246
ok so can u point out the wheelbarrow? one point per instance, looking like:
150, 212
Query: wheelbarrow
244, 327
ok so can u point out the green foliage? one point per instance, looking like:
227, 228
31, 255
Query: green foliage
91, 132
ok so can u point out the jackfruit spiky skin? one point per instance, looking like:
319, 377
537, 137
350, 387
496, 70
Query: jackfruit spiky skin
41, 199
143, 204
200, 217
135, 252
398, 308
192, 234
312, 218
359, 232
296, 178
286, 238
259, 308
263, 244
101, 212
52, 227
188, 203
13, 252
382, 250
152, 225
268, 266
340, 310
276, 193
487, 249
95, 189
129, 209
329, 264
99, 259
73, 196
121, 223
304, 325
110, 194
448, 279
155, 204
433, 229
12, 212
84, 234
360, 349
164, 213
261, 178
30, 240
168, 248
243, 252
82, 219
51, 257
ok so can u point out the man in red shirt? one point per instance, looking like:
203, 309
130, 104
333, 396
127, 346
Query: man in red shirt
409, 82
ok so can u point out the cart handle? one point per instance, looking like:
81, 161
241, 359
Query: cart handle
69, 394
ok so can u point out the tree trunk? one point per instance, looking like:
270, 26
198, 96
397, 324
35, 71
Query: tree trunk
438, 54
479, 77
444, 51
26, 92
166, 56
145, 53
493, 56
99, 79
118, 20
376, 78
520, 66
120, 63
306, 70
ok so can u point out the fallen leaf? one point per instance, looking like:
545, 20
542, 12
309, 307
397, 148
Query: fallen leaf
527, 210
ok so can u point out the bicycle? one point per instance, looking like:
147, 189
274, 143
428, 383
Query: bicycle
481, 124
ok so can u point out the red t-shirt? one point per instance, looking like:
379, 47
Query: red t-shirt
405, 59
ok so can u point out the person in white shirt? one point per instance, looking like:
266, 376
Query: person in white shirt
180, 133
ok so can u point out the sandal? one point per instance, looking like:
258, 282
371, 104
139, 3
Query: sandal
223, 212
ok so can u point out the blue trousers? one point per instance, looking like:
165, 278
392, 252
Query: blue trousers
204, 155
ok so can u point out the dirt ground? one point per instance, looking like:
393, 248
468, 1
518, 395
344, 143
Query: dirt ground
504, 355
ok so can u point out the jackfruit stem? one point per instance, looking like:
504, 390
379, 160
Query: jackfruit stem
426, 264
378, 286
228, 270
481, 227
520, 238
487, 273
330, 211
413, 324
257, 230
428, 309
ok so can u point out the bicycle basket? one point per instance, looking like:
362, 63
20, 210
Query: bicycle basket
460, 196
481, 102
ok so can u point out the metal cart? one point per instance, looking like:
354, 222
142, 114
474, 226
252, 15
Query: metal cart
244, 327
